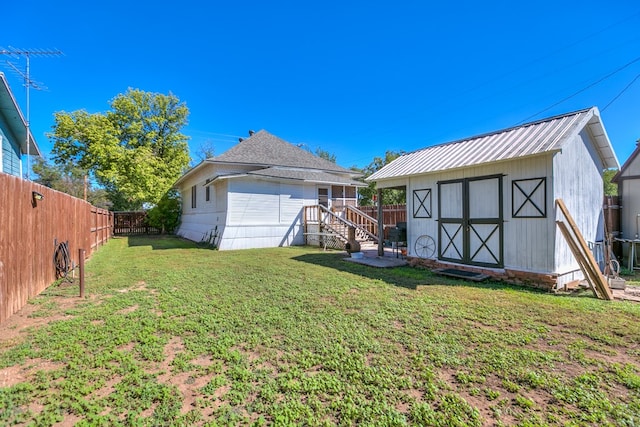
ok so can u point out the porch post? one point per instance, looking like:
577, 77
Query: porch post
380, 225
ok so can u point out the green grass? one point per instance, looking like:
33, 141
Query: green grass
632, 278
175, 334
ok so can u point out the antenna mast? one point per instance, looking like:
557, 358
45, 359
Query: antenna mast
27, 80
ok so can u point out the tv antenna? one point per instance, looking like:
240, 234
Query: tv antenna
28, 83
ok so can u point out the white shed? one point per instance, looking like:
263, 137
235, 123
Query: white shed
488, 201
252, 196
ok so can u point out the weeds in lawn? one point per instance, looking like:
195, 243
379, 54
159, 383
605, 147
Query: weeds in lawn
174, 334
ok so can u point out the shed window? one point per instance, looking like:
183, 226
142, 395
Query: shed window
193, 197
529, 198
422, 203
207, 191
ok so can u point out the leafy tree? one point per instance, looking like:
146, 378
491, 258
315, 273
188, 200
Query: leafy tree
205, 150
166, 214
389, 196
610, 188
70, 180
135, 151
323, 154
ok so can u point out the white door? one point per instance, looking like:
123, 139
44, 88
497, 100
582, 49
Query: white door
323, 196
470, 221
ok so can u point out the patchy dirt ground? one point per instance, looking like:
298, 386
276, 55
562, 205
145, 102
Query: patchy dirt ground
190, 383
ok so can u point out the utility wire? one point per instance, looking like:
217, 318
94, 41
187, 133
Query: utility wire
621, 92
516, 69
581, 90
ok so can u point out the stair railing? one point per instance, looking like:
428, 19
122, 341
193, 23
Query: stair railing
366, 226
364, 223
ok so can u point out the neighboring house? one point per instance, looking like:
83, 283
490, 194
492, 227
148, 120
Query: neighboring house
13, 133
252, 196
628, 180
488, 201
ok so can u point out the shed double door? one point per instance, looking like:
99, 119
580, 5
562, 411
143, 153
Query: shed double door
470, 224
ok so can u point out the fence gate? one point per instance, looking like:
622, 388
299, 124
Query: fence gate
131, 223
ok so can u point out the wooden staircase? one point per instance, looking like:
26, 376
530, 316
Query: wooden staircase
320, 221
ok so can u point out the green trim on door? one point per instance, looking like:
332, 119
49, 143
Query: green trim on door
470, 224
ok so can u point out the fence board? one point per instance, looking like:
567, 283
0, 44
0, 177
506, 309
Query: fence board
29, 231
611, 209
391, 215
132, 223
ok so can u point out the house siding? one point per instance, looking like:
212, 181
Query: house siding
253, 203
10, 156
199, 222
265, 214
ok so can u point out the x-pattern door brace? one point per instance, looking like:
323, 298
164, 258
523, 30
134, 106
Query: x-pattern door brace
451, 242
484, 243
529, 198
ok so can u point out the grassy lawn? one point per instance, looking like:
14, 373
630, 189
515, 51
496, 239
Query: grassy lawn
173, 334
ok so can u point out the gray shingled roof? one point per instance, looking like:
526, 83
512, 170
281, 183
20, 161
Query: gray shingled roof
529, 139
265, 149
307, 175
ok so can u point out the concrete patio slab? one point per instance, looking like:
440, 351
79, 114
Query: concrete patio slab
370, 257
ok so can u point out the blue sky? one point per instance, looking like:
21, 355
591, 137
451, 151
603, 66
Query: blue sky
355, 78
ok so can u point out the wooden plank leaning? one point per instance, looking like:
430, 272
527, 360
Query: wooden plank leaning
588, 274
583, 254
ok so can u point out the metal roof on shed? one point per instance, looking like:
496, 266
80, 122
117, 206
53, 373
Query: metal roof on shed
529, 139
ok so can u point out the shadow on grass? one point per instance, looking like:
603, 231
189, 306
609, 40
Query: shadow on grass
406, 276
162, 242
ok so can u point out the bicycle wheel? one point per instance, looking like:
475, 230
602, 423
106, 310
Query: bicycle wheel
425, 246
614, 265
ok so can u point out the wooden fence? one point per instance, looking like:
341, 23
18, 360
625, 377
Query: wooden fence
132, 223
391, 215
34, 219
611, 209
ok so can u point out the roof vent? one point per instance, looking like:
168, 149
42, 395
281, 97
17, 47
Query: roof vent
240, 139
251, 132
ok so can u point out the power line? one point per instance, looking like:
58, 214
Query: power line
512, 71
581, 90
621, 92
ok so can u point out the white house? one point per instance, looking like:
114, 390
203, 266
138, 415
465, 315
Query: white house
628, 179
13, 133
488, 201
252, 196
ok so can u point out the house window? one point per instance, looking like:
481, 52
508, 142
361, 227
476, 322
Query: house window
193, 197
207, 191
350, 192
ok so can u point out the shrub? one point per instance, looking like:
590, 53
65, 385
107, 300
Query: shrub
166, 214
